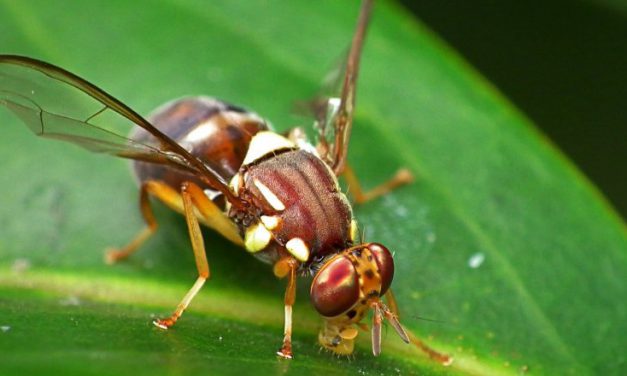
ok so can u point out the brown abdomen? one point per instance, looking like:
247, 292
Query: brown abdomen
215, 132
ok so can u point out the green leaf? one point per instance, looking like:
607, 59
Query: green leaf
516, 258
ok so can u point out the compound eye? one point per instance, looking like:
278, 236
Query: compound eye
335, 289
385, 262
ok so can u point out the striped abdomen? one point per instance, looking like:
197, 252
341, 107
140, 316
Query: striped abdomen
215, 132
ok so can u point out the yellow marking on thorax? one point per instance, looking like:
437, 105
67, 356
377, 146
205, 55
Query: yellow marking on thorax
269, 196
298, 249
263, 143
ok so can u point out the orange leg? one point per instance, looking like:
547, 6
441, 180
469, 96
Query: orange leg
433, 354
402, 177
113, 255
287, 267
192, 197
211, 216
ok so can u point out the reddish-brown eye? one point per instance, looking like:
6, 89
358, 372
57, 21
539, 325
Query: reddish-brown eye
335, 288
385, 262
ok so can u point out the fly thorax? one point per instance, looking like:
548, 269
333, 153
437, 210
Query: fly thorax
295, 205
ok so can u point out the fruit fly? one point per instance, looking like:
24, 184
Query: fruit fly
275, 195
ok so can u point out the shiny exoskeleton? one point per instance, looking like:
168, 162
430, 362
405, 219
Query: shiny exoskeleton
274, 194
216, 133
293, 194
295, 208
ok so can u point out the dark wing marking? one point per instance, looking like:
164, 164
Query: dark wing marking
55, 103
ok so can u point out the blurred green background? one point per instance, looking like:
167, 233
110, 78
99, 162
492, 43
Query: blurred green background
507, 256
564, 64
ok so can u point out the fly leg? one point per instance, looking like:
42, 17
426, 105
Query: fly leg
402, 177
433, 354
286, 267
211, 216
147, 189
192, 197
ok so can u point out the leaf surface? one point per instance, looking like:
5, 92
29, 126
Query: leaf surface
516, 258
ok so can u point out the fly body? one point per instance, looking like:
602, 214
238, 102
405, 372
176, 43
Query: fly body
274, 194
296, 198
214, 132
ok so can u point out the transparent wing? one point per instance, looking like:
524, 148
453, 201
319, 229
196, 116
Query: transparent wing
323, 108
57, 104
333, 108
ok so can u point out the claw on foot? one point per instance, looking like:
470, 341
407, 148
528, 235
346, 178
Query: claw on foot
447, 360
163, 323
403, 176
285, 354
113, 255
